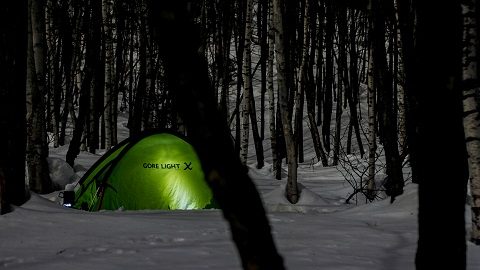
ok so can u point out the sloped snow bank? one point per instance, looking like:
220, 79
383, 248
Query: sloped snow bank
61, 172
309, 201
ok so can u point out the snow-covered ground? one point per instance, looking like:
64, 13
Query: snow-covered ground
320, 232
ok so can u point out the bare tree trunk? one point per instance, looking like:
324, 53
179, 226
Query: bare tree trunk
439, 119
270, 87
256, 136
471, 109
338, 124
91, 58
310, 85
291, 188
310, 97
402, 128
107, 10
13, 60
247, 84
299, 64
406, 19
281, 147
70, 54
372, 134
240, 44
329, 74
37, 145
262, 22
249, 108
147, 121
304, 79
97, 84
225, 27
121, 51
342, 80
384, 84
298, 123
259, 134
319, 63
54, 76
135, 122
400, 78
354, 84
4, 204
131, 79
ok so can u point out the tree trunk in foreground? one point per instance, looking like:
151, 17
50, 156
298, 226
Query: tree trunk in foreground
441, 223
187, 73
37, 146
13, 60
471, 110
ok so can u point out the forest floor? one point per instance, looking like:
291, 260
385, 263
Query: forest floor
320, 232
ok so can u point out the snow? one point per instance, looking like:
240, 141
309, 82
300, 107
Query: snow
320, 232
61, 173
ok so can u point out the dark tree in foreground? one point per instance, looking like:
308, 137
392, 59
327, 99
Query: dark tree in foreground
13, 60
37, 145
187, 73
471, 108
440, 152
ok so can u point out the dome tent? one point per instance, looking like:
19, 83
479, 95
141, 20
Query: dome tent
156, 170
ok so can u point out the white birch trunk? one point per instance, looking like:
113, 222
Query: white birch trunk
247, 68
303, 81
37, 148
471, 106
372, 136
270, 87
107, 9
402, 128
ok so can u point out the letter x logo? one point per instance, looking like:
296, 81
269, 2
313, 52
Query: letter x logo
188, 166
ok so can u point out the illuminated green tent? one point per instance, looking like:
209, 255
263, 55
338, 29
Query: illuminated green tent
153, 171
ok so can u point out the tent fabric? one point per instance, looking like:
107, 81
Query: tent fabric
159, 170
